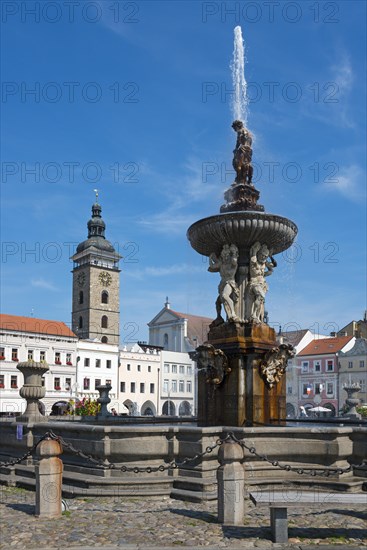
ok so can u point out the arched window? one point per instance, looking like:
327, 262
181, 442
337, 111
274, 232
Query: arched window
104, 297
80, 322
165, 341
81, 297
104, 321
104, 340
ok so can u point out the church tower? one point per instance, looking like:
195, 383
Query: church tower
96, 284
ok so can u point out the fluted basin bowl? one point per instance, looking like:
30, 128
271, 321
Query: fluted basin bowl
242, 229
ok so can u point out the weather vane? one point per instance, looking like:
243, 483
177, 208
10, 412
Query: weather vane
96, 192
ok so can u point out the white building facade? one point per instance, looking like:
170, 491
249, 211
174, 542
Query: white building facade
31, 339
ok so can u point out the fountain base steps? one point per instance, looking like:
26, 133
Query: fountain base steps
191, 489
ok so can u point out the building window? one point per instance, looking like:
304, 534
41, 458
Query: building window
181, 386
174, 385
57, 385
330, 388
104, 340
14, 382
142, 387
104, 297
289, 390
165, 341
132, 387
80, 322
108, 383
97, 382
86, 362
108, 363
122, 387
330, 365
350, 364
362, 383
304, 366
174, 369
2, 381
57, 358
2, 354
188, 386
128, 366
151, 388
306, 389
165, 386
166, 368
361, 364
189, 371
139, 368
149, 368
68, 384
104, 321
30, 355
14, 354
42, 356
98, 363
81, 297
86, 383
318, 388
68, 359
317, 366
181, 369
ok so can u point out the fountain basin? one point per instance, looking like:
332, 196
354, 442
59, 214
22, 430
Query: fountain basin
242, 229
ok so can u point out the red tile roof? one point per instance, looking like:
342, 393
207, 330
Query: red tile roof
197, 327
32, 324
325, 346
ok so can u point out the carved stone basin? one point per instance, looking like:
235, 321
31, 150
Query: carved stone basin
242, 229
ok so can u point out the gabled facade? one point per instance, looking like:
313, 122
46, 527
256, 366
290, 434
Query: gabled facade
318, 366
353, 369
175, 331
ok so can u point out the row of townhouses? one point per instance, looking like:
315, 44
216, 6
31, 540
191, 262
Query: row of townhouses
159, 377
323, 366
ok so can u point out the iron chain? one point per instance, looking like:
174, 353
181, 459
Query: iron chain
27, 454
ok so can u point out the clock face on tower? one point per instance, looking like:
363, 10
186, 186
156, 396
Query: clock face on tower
105, 278
81, 279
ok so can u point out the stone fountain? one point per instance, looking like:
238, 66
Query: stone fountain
33, 389
241, 366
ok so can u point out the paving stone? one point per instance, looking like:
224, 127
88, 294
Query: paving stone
139, 524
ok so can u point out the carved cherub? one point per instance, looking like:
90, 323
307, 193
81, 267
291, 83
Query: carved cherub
228, 291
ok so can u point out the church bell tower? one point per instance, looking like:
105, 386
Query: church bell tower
96, 284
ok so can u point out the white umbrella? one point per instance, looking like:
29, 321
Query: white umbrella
319, 409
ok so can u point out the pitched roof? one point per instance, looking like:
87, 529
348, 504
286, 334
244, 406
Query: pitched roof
359, 348
32, 324
325, 346
197, 327
293, 337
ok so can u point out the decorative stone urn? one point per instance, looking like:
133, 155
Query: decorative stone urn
104, 400
351, 401
32, 390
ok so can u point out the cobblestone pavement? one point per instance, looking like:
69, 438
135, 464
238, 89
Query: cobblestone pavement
162, 523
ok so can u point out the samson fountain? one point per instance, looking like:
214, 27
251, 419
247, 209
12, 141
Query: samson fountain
241, 367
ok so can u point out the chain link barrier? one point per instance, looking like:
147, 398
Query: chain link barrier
325, 472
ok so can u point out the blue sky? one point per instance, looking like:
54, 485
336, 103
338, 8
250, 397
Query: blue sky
134, 98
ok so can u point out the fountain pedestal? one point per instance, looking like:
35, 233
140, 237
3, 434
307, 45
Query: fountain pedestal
243, 397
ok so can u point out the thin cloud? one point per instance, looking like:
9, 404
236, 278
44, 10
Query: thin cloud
349, 182
164, 271
41, 283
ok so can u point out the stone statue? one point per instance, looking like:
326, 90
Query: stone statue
213, 362
242, 154
274, 363
257, 287
228, 290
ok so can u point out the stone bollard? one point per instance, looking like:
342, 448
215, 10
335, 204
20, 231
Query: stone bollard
49, 479
231, 484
